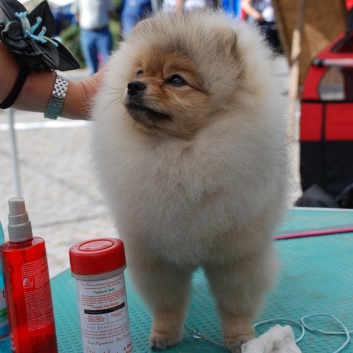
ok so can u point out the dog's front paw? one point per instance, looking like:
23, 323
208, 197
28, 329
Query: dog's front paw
163, 340
234, 343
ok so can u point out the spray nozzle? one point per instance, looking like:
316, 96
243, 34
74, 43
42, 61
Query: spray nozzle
18, 213
20, 228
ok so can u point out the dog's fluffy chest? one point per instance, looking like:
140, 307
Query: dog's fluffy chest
179, 201
169, 197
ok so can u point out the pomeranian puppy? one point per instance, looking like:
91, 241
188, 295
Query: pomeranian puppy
189, 145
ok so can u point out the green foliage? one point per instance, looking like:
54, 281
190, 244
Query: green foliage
118, 7
114, 27
71, 38
117, 3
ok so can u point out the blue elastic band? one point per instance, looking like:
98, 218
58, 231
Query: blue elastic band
28, 30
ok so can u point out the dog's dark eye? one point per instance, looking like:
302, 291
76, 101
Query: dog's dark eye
139, 73
176, 80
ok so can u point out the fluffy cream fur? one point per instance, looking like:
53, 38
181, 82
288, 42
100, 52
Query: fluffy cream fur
194, 171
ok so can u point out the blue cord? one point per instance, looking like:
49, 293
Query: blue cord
345, 330
28, 30
286, 320
199, 335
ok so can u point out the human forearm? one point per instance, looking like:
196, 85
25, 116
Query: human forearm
250, 11
79, 95
36, 91
8, 71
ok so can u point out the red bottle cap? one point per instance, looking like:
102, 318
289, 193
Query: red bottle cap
96, 256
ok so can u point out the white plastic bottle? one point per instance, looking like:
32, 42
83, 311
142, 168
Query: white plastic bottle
98, 266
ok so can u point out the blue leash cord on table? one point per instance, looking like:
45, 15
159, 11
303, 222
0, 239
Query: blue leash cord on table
304, 327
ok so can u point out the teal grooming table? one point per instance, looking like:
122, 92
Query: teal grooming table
316, 276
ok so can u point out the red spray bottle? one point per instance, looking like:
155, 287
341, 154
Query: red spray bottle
27, 286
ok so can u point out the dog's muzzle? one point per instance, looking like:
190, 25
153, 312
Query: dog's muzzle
135, 87
135, 103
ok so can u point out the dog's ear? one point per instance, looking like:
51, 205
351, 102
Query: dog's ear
228, 39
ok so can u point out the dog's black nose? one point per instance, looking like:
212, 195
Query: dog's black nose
135, 87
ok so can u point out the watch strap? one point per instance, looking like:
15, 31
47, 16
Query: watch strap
57, 98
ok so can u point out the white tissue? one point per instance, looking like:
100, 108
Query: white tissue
278, 339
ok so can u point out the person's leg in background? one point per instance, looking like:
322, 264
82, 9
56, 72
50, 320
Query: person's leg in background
89, 50
104, 43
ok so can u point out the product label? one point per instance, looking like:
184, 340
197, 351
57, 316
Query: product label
36, 285
104, 316
4, 323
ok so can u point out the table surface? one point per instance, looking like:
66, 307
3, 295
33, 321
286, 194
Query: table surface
315, 276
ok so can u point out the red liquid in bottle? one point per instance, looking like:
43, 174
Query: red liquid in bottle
28, 295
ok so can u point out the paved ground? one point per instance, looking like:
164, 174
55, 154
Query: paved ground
62, 198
